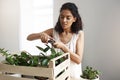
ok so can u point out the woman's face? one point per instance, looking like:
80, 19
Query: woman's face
66, 19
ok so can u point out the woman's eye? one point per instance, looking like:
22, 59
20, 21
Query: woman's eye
68, 18
61, 17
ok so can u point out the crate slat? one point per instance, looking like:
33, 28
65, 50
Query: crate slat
5, 77
64, 75
63, 66
36, 71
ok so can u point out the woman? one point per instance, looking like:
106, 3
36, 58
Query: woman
68, 35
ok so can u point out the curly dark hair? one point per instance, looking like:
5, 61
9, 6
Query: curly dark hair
76, 26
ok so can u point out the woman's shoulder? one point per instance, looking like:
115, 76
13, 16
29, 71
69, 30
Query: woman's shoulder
80, 33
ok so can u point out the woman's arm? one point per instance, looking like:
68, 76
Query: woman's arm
44, 36
79, 49
76, 57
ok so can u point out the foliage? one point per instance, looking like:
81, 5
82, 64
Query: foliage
89, 73
26, 59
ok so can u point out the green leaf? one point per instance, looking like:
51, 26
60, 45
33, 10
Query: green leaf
4, 52
35, 61
46, 49
43, 54
40, 48
10, 60
52, 56
24, 54
53, 51
45, 62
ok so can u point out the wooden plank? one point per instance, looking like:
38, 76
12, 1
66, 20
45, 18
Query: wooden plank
25, 70
5, 77
64, 75
65, 54
61, 67
52, 65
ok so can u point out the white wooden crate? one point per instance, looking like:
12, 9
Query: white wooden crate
51, 72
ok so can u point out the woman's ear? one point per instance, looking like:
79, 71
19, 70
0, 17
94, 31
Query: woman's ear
75, 19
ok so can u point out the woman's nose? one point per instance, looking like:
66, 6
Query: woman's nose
64, 20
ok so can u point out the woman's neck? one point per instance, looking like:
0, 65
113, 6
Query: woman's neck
67, 31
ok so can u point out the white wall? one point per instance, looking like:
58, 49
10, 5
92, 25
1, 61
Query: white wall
101, 20
35, 17
102, 41
9, 24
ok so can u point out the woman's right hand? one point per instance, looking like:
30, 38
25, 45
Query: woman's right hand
44, 37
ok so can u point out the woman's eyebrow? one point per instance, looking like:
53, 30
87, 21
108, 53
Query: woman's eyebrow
66, 15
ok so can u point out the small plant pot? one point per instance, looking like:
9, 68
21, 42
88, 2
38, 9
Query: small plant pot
89, 73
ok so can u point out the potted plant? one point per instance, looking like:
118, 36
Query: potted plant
26, 59
89, 74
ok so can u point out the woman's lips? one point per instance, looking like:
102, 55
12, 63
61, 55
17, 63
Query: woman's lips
64, 25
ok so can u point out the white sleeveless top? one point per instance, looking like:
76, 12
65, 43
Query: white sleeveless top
75, 69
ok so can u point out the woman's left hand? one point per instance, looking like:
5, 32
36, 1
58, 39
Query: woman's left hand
58, 45
61, 46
